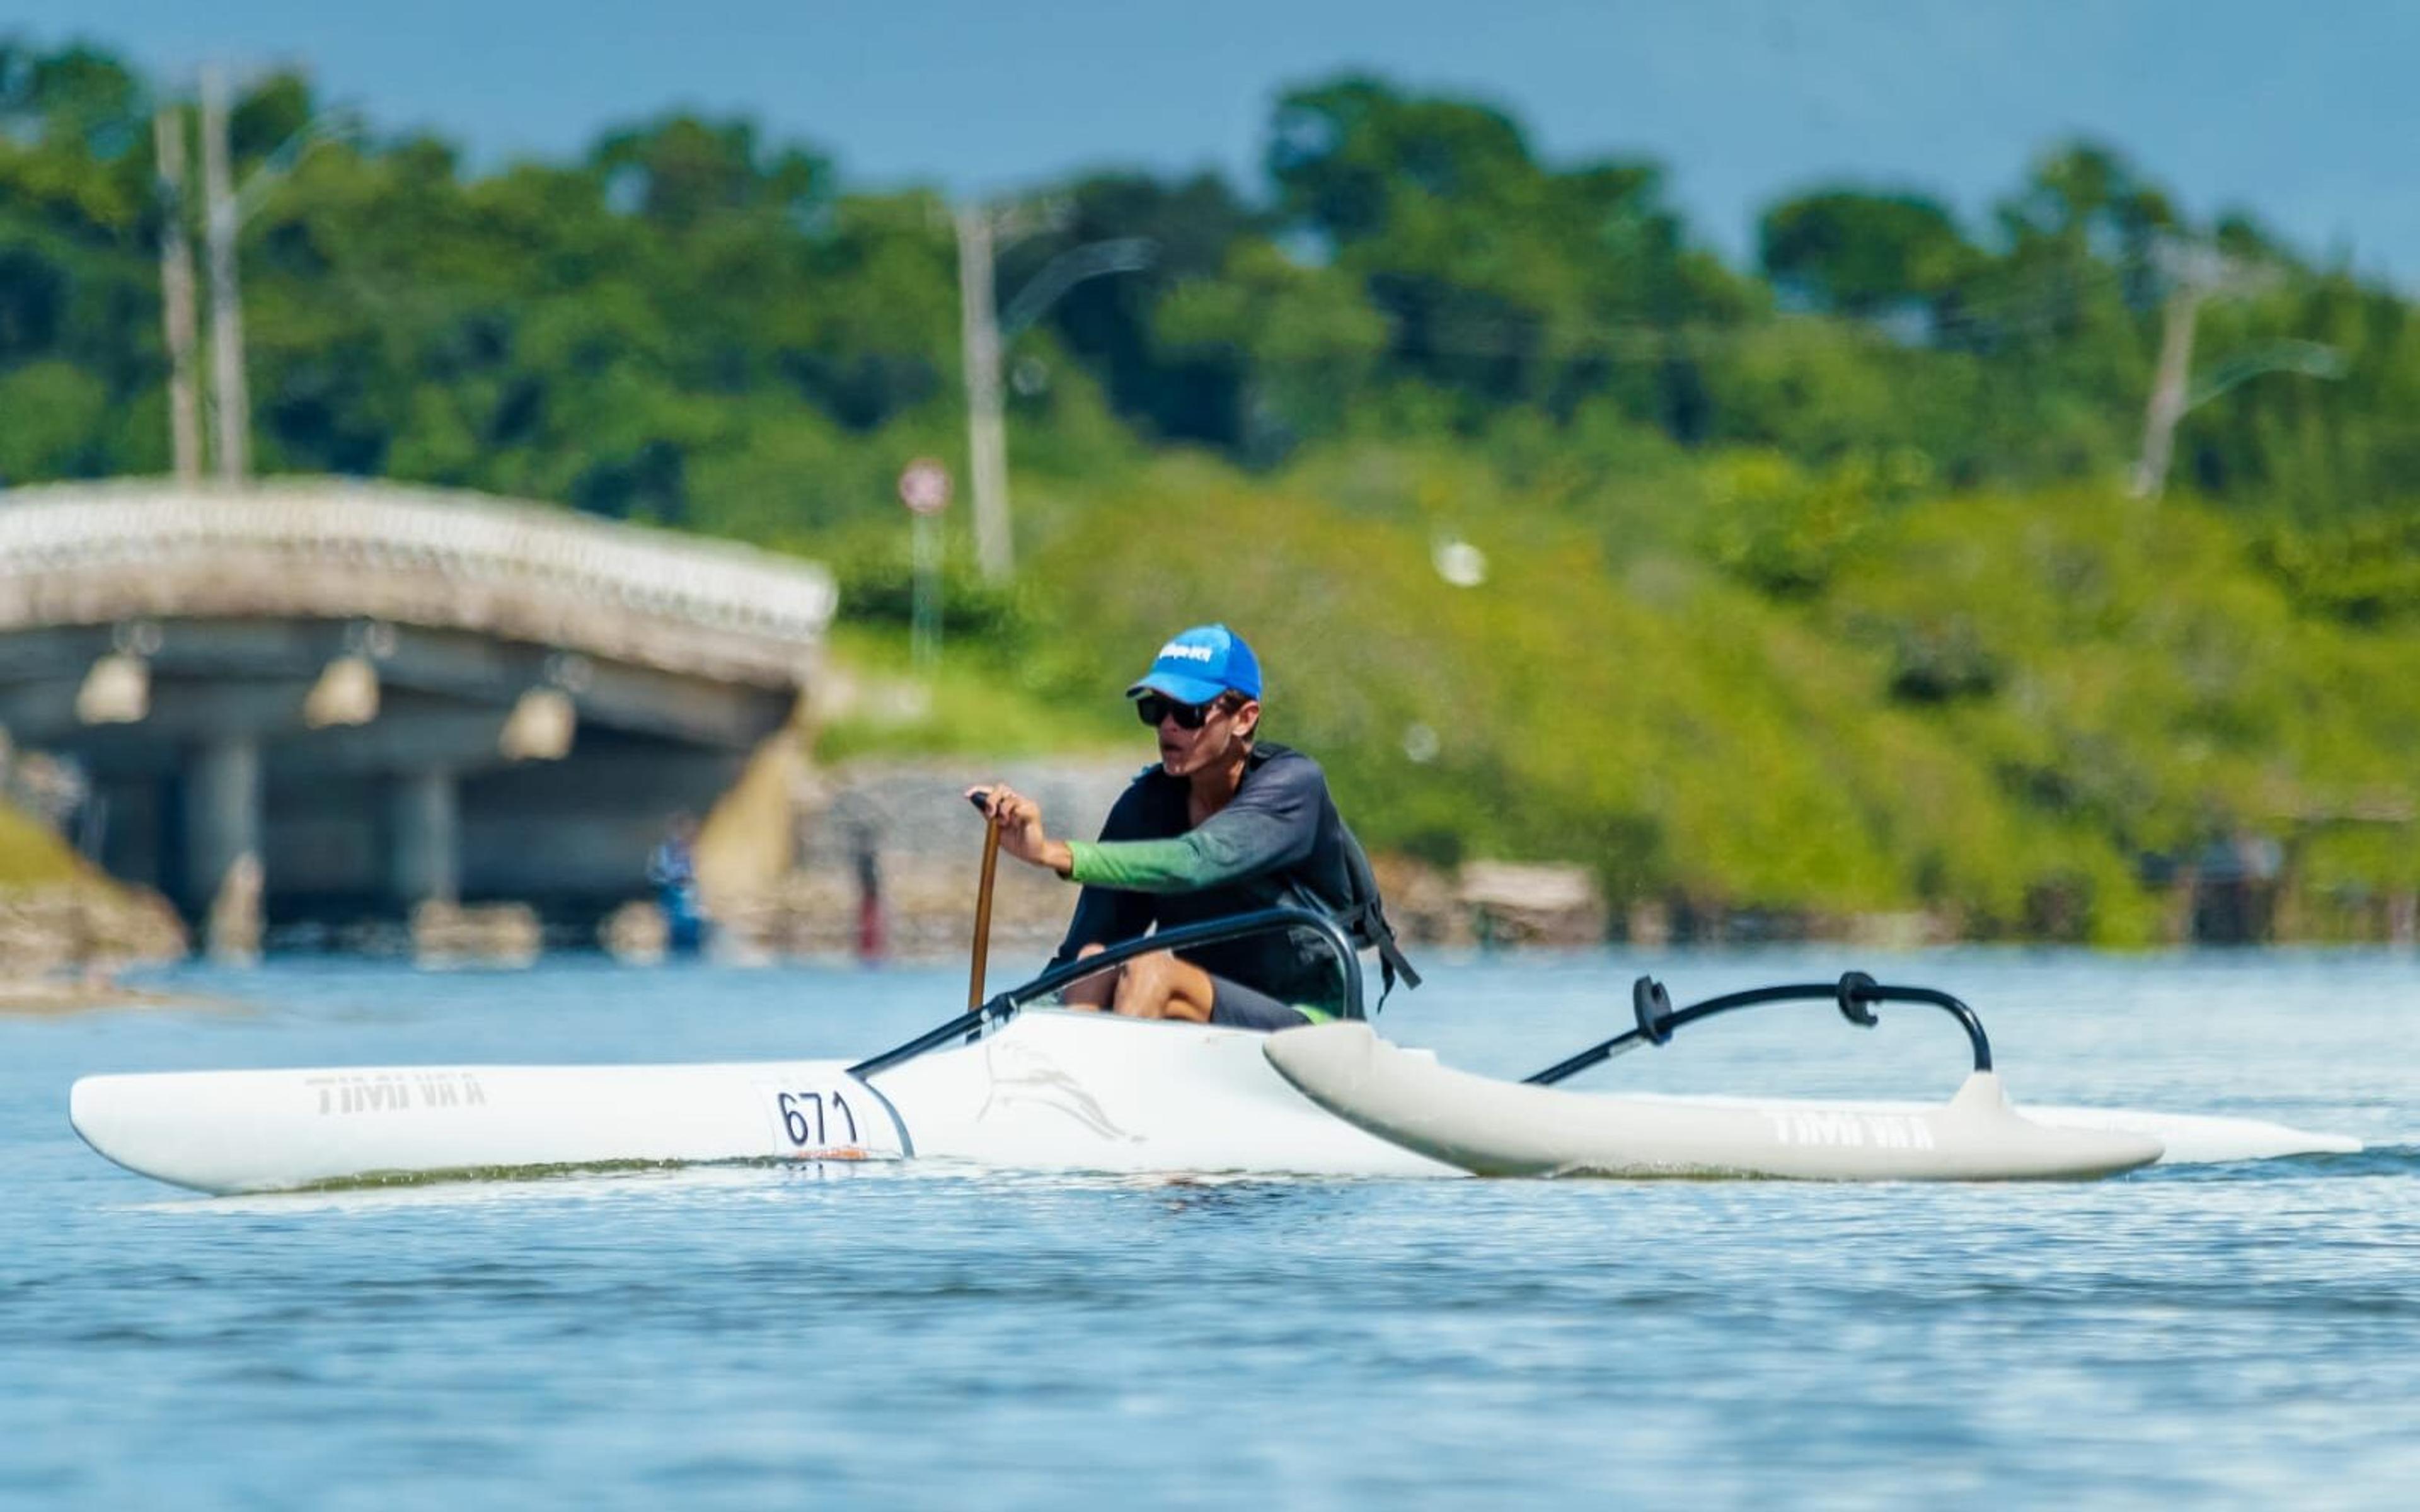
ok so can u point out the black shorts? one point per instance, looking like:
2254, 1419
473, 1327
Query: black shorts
1239, 1007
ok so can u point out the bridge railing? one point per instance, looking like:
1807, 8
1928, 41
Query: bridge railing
275, 544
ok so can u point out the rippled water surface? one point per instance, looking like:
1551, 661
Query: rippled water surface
756, 1336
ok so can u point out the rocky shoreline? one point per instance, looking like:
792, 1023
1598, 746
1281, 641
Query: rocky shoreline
878, 860
62, 945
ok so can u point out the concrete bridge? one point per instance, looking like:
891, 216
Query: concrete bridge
383, 695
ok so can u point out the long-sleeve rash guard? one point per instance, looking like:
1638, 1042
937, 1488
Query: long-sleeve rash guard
1278, 842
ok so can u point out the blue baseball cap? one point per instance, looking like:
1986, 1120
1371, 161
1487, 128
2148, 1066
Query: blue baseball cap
1198, 665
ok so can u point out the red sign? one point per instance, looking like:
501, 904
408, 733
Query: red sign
925, 486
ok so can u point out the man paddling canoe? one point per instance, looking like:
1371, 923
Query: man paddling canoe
1225, 824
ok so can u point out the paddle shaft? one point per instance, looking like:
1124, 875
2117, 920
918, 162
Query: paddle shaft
978, 1012
983, 908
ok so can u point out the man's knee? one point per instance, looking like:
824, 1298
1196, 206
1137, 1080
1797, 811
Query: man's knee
1144, 984
1151, 968
1161, 986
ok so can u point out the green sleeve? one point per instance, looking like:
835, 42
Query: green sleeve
1137, 864
1272, 824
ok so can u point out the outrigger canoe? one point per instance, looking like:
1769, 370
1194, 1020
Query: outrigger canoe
1013, 1084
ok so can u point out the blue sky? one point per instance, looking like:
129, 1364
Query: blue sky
2304, 112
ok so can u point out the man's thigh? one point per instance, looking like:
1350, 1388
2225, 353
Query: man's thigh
1239, 1007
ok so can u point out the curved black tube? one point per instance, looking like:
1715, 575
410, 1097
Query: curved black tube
1211, 932
1853, 993
1005, 1006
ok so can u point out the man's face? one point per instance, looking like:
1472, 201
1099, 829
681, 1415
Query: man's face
1183, 753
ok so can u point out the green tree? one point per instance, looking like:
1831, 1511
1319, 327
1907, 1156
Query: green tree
1864, 254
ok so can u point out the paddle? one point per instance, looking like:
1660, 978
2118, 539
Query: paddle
979, 1012
983, 898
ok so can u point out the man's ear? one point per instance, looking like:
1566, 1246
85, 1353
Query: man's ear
1247, 719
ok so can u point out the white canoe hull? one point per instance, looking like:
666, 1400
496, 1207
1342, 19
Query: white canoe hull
1048, 1091
1498, 1128
257, 1131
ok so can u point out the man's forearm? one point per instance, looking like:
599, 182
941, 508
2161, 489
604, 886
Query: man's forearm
1144, 865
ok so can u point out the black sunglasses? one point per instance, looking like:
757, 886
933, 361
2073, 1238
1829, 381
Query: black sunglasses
1153, 707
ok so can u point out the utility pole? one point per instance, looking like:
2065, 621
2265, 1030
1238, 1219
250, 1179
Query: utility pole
2168, 404
176, 295
233, 406
2200, 274
985, 328
987, 431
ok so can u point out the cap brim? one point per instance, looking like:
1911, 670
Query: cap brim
1183, 689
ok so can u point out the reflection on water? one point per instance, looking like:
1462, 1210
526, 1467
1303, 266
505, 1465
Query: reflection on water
919, 1334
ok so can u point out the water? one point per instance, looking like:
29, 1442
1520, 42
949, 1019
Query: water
2245, 1334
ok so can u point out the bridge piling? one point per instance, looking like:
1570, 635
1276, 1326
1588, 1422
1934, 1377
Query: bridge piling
425, 843
222, 804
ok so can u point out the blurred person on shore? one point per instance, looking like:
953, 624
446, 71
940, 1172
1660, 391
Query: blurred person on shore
671, 871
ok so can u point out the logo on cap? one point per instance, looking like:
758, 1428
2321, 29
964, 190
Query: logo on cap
1199, 664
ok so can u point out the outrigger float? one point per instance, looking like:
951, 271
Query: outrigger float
1018, 1084
1530, 1127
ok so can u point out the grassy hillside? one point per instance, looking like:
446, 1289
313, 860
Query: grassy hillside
1818, 695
